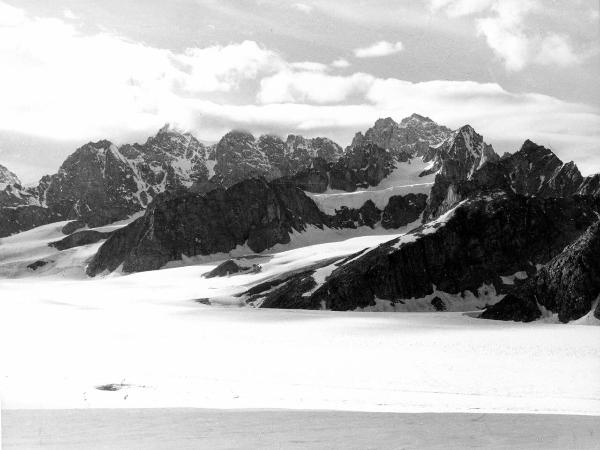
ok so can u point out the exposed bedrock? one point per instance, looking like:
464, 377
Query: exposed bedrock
567, 285
483, 239
255, 213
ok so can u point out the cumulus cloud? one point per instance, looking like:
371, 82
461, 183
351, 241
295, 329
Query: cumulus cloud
458, 8
58, 83
310, 66
69, 14
312, 87
555, 49
504, 25
340, 63
303, 7
381, 48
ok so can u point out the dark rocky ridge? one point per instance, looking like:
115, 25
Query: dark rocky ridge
533, 170
254, 212
411, 137
100, 183
79, 238
484, 239
361, 166
568, 285
16, 219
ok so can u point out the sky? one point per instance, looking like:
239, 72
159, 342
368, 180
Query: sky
74, 71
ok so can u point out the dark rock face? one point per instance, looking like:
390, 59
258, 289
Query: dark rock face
533, 170
513, 308
569, 284
101, 183
402, 210
15, 220
252, 212
590, 185
438, 304
231, 267
368, 214
411, 137
302, 151
19, 207
12, 193
483, 239
80, 238
72, 226
94, 184
239, 158
277, 155
361, 166
462, 154
37, 264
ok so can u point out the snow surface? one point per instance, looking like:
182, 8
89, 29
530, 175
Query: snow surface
403, 180
61, 337
186, 429
20, 250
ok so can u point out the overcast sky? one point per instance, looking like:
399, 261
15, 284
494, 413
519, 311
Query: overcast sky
72, 71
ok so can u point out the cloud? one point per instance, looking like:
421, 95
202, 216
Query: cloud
303, 7
458, 8
310, 66
68, 14
312, 87
505, 26
555, 49
381, 48
58, 83
340, 63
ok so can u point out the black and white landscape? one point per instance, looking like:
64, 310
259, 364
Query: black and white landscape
253, 259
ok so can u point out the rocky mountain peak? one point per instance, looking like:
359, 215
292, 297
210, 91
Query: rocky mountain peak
462, 153
239, 157
412, 137
416, 120
8, 178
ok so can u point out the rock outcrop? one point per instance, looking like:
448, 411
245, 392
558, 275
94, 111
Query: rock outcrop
253, 213
231, 267
79, 238
239, 158
101, 183
568, 285
533, 170
411, 137
481, 240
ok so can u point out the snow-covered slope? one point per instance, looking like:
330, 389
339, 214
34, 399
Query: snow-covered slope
141, 341
28, 254
405, 179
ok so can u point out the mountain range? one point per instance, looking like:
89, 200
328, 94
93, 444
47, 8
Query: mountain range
467, 218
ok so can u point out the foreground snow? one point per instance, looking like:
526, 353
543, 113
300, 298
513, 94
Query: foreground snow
256, 429
143, 340
135, 337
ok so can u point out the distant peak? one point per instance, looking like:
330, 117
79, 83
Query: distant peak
420, 117
385, 122
415, 118
467, 129
7, 177
170, 129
